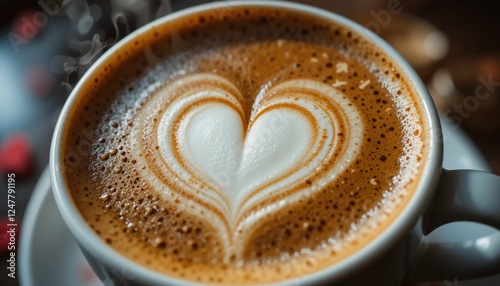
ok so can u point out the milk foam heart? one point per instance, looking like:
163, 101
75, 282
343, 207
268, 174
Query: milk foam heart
235, 168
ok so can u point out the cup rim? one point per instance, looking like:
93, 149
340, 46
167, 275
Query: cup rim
408, 216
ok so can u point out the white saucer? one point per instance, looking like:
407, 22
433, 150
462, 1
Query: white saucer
50, 256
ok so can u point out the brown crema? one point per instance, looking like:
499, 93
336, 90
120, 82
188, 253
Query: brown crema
255, 49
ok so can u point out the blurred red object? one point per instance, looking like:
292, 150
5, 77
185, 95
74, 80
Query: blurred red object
39, 80
16, 155
5, 235
27, 25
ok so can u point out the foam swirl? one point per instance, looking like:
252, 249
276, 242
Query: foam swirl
230, 167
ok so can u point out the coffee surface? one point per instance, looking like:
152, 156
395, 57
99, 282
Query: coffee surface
243, 145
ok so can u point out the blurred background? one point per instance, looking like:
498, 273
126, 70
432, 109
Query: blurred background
46, 46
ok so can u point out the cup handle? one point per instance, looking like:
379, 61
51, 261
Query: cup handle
462, 195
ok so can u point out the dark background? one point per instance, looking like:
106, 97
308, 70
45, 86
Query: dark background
44, 50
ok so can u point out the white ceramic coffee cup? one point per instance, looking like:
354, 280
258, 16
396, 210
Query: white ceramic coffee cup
398, 253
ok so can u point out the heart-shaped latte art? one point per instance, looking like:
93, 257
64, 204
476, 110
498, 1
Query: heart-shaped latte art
230, 167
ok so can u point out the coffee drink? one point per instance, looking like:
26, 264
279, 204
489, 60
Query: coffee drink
244, 145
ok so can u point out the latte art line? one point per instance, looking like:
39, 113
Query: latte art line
230, 170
